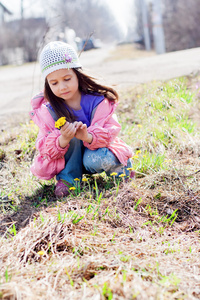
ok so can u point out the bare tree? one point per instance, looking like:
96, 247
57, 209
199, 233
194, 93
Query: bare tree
33, 33
139, 25
88, 16
84, 16
181, 24
140, 37
10, 40
20, 40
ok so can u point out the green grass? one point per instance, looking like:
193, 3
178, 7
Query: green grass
160, 123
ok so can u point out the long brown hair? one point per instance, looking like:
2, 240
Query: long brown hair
87, 85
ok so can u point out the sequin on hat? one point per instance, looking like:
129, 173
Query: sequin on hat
58, 55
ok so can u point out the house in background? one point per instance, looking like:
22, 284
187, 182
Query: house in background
3, 12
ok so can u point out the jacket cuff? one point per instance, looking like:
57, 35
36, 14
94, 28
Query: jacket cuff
52, 145
101, 138
60, 149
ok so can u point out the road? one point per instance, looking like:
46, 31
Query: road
20, 83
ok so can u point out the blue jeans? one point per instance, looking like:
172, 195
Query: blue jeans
80, 160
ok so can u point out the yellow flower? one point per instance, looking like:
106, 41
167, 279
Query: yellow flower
41, 253
122, 175
130, 169
60, 122
72, 188
135, 156
113, 174
144, 155
137, 152
84, 179
139, 125
76, 179
167, 160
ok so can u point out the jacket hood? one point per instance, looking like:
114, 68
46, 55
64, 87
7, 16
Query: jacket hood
37, 100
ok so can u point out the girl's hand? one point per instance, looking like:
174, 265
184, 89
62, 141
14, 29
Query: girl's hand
82, 133
67, 133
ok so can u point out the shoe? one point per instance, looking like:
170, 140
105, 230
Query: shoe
131, 176
62, 188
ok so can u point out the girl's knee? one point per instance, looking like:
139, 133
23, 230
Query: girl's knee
90, 159
97, 161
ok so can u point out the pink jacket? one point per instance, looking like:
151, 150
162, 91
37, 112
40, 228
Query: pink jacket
104, 129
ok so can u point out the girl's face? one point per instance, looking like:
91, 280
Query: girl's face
64, 84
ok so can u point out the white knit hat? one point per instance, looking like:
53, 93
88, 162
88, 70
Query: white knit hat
58, 55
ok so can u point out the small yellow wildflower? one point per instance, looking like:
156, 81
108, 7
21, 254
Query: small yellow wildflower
139, 125
122, 175
76, 179
167, 161
84, 179
138, 151
60, 122
41, 253
135, 156
130, 169
72, 188
94, 188
113, 174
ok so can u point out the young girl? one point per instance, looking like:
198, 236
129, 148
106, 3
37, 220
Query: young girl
85, 140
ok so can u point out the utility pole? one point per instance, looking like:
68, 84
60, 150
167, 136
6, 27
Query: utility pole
158, 32
145, 23
22, 28
22, 9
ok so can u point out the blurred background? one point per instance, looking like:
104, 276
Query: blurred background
159, 25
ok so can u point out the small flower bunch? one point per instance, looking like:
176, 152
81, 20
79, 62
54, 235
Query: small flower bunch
68, 58
60, 122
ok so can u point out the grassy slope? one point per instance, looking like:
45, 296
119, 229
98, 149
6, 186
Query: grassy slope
109, 240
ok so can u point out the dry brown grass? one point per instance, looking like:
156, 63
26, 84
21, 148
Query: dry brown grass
129, 51
80, 258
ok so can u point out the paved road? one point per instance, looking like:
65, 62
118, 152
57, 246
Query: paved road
19, 83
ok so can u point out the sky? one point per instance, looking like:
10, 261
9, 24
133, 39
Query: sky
120, 8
